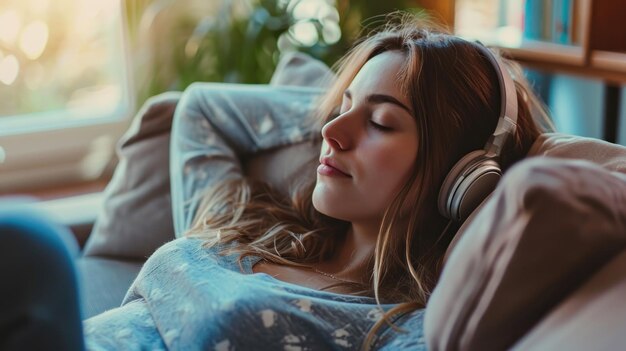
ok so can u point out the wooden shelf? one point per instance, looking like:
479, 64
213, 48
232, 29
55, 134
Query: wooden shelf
597, 28
600, 52
563, 59
615, 61
590, 72
540, 51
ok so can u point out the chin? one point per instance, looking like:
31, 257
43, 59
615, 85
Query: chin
329, 208
325, 206
319, 204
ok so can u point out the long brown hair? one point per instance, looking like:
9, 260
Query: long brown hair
454, 92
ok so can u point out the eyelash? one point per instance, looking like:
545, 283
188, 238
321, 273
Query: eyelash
379, 127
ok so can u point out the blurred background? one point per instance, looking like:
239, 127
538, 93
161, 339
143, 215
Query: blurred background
240, 41
74, 72
71, 54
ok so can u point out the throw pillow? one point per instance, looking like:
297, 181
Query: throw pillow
547, 228
608, 155
136, 215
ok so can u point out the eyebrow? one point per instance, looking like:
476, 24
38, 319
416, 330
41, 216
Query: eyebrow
381, 98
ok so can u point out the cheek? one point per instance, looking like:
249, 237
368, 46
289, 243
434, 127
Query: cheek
393, 164
389, 171
397, 177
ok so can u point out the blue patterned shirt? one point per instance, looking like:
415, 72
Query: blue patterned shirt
187, 297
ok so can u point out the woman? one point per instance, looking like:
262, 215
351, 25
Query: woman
352, 255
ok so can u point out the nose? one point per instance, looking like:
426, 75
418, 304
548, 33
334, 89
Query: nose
336, 133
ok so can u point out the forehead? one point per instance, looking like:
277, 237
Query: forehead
380, 75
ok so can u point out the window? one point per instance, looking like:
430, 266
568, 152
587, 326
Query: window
64, 90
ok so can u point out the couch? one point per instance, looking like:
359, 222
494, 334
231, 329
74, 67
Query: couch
489, 312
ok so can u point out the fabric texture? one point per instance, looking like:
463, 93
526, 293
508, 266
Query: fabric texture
299, 69
239, 309
592, 318
103, 282
136, 218
608, 155
218, 125
565, 146
550, 225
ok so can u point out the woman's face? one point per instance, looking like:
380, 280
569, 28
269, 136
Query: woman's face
368, 151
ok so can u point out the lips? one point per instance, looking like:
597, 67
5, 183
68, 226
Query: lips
330, 167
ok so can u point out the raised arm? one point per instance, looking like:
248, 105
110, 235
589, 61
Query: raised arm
216, 125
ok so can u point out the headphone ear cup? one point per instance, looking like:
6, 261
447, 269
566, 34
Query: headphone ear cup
467, 184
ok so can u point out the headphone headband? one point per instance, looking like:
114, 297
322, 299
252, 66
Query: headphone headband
507, 120
476, 174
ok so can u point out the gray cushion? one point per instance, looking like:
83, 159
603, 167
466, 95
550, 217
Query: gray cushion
136, 218
296, 68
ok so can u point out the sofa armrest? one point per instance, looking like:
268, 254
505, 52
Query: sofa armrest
103, 282
591, 318
78, 213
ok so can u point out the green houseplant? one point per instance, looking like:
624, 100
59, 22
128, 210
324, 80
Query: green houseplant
178, 42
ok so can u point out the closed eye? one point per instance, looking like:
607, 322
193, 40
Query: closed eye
379, 127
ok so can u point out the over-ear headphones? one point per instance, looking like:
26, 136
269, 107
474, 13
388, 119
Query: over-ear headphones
476, 174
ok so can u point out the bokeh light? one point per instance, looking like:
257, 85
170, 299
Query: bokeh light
305, 33
9, 69
33, 39
306, 9
59, 55
331, 32
316, 20
10, 24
